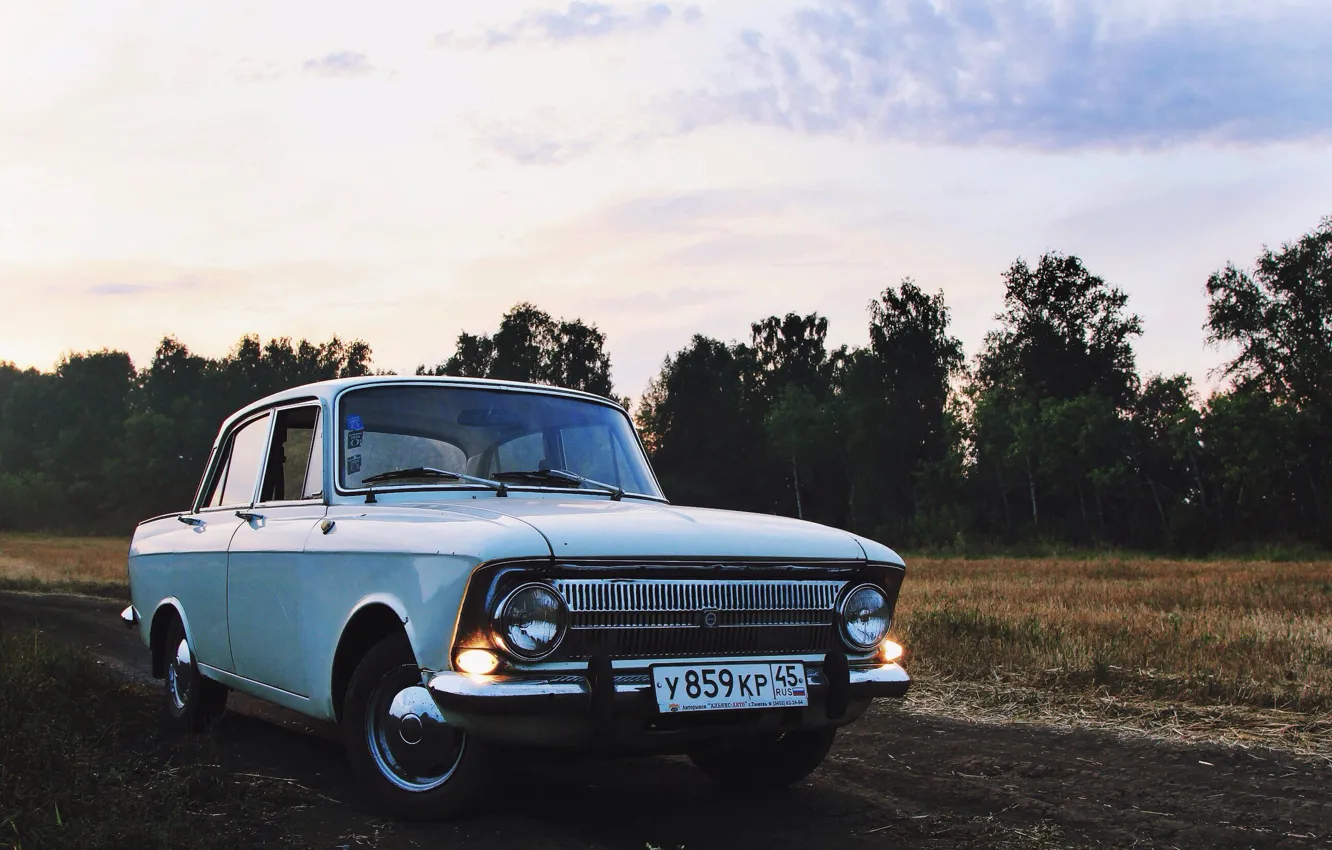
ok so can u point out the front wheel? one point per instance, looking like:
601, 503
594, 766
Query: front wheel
416, 765
193, 701
766, 763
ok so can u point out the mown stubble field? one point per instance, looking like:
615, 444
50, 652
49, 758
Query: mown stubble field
1226, 650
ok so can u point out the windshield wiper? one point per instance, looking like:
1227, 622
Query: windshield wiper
431, 472
616, 493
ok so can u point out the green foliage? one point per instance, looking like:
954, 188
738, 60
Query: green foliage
1280, 317
531, 346
702, 423
96, 446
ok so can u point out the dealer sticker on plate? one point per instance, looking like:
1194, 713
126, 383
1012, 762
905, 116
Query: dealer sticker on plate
718, 687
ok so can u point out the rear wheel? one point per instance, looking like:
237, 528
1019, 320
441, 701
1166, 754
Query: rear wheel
766, 763
415, 764
193, 701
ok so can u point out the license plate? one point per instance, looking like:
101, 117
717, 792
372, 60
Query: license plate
718, 687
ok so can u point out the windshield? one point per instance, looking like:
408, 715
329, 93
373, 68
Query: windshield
484, 433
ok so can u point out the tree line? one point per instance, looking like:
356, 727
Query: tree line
1049, 432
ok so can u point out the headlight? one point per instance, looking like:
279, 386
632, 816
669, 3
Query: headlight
530, 622
865, 617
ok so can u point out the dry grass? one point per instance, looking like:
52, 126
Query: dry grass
1222, 650
85, 764
85, 563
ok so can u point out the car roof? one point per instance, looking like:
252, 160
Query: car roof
327, 391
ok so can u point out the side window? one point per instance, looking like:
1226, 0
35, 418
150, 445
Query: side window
287, 472
247, 447
314, 476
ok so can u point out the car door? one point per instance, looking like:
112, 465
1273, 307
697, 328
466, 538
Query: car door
193, 556
266, 563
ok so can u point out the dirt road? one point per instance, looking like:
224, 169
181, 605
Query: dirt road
895, 779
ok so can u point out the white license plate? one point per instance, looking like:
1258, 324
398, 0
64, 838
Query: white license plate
718, 687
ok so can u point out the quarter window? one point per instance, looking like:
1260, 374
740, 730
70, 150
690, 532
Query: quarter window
239, 467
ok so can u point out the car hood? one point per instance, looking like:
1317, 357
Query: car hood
581, 527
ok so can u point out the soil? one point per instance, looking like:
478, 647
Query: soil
896, 778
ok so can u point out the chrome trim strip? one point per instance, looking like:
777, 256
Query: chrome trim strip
501, 687
630, 664
879, 675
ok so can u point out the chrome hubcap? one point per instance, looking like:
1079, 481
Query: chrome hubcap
179, 674
412, 744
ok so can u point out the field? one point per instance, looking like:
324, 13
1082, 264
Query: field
1237, 651
89, 564
1231, 651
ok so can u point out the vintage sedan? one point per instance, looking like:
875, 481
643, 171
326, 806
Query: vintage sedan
454, 569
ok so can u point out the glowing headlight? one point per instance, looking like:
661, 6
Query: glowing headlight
865, 617
530, 622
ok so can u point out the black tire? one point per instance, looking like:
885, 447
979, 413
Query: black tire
444, 779
193, 702
766, 763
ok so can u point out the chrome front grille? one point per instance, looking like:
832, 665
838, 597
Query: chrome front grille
637, 618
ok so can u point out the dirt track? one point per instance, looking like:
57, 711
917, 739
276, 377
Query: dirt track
895, 779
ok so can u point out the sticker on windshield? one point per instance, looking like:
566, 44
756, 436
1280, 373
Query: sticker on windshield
354, 423
353, 464
354, 439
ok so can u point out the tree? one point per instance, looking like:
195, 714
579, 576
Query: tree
895, 394
532, 347
1280, 317
792, 352
1166, 440
1053, 384
1063, 333
701, 429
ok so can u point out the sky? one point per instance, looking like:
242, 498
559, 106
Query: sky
404, 171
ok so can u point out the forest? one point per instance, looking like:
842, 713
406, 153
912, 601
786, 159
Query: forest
1049, 434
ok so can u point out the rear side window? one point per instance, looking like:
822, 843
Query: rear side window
294, 470
239, 467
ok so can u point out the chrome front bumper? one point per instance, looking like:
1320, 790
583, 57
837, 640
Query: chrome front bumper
618, 706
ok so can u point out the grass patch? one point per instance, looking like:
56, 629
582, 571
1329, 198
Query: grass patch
1241, 633
84, 763
75, 564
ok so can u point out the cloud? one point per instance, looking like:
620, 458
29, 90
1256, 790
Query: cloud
120, 289
582, 20
343, 63
696, 211
532, 148
1046, 74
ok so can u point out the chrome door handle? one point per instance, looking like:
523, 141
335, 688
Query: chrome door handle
190, 520
249, 516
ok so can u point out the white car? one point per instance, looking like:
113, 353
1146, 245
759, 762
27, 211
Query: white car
449, 568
